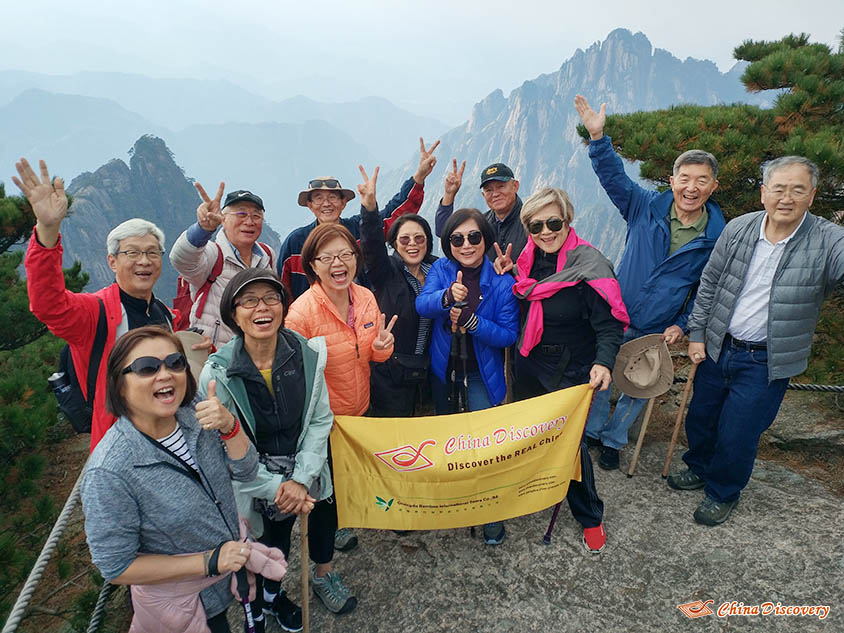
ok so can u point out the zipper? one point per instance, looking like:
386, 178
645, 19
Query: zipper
216, 330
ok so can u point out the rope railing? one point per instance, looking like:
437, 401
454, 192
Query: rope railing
794, 386
99, 608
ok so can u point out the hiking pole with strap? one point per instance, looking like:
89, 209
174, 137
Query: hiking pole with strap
243, 596
464, 357
452, 396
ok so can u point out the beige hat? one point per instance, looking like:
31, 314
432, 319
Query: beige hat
196, 357
328, 183
643, 367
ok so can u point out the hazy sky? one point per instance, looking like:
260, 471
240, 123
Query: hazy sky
418, 54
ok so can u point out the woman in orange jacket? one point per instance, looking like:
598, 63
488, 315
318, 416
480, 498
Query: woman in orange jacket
347, 315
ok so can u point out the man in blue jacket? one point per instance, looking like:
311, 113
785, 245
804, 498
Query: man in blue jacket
670, 236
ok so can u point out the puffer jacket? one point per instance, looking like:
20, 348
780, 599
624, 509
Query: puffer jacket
811, 266
498, 322
312, 445
349, 350
194, 256
657, 288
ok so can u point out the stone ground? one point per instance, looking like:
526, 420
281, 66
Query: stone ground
781, 544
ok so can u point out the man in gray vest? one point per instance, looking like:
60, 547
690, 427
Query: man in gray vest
751, 329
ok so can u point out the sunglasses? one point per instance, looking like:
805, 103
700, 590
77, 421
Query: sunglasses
328, 183
404, 240
553, 224
147, 366
474, 237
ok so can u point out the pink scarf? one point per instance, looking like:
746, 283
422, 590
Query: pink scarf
577, 261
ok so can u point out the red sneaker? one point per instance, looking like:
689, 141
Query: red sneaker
595, 538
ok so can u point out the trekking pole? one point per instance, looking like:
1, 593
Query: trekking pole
679, 419
243, 596
452, 396
547, 538
464, 357
641, 440
306, 575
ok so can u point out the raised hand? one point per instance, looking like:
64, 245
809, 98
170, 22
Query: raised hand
211, 414
293, 497
427, 160
367, 189
208, 213
593, 121
385, 338
600, 378
503, 263
459, 292
47, 198
453, 180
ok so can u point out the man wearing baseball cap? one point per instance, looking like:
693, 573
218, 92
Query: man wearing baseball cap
499, 188
326, 199
194, 253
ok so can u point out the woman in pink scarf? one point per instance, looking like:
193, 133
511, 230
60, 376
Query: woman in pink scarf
572, 326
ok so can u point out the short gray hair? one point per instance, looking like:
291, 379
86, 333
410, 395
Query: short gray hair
787, 161
696, 157
544, 197
136, 227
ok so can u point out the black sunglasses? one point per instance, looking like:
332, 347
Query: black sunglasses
147, 366
474, 237
553, 224
329, 183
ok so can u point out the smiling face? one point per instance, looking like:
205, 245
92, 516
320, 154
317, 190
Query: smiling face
137, 277
242, 223
468, 255
337, 274
416, 248
326, 206
262, 321
500, 196
692, 185
787, 196
549, 241
153, 399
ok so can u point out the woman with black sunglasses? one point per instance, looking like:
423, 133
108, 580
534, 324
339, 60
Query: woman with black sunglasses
157, 494
399, 384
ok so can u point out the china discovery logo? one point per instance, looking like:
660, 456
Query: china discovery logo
405, 459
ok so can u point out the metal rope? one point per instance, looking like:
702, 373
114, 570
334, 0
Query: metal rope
99, 609
796, 386
17, 613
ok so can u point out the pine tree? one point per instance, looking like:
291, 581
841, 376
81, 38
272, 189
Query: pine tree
807, 119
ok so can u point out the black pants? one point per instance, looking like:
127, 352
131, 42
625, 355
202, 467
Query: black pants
219, 623
586, 506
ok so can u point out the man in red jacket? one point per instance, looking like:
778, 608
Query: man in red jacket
135, 248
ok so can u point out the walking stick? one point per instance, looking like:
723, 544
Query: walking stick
547, 538
306, 572
243, 596
463, 405
679, 419
641, 439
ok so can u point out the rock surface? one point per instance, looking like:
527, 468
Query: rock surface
781, 544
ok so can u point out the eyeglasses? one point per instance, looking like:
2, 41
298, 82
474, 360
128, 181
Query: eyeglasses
269, 299
328, 183
134, 255
404, 240
553, 224
147, 366
243, 215
474, 237
327, 260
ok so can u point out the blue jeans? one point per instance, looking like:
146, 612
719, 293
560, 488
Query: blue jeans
733, 403
612, 432
476, 394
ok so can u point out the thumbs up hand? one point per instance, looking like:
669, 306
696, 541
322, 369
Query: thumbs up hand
459, 292
211, 414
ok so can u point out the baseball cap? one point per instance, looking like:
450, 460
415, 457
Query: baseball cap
496, 171
241, 195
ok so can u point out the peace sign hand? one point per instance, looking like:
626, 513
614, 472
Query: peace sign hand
208, 213
385, 338
453, 180
503, 263
593, 121
367, 189
427, 160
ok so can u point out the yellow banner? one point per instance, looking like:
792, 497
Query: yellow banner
458, 470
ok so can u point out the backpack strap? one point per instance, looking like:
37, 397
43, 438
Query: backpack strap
268, 251
97, 350
202, 293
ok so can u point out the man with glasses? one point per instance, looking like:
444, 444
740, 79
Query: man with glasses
751, 329
326, 199
195, 254
89, 321
669, 238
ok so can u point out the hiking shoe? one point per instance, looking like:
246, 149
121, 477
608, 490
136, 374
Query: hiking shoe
494, 533
711, 512
609, 458
685, 481
333, 593
592, 442
595, 538
286, 613
345, 539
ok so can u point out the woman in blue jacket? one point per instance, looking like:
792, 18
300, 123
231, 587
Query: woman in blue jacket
487, 311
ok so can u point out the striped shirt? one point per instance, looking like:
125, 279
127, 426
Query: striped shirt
424, 324
175, 443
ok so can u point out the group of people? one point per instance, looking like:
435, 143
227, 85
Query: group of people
187, 480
